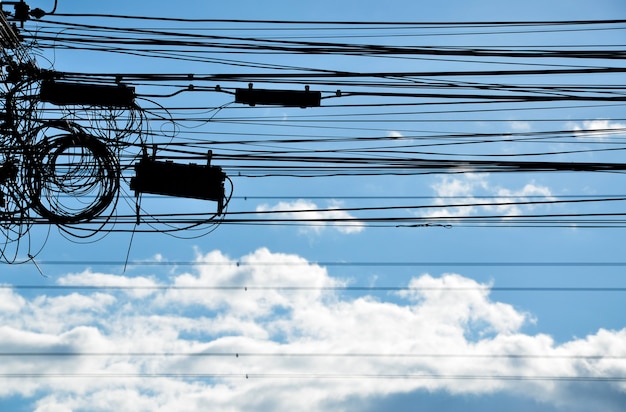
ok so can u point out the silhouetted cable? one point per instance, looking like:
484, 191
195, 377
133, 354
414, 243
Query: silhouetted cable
81, 196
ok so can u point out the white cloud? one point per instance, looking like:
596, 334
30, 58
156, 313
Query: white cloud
315, 219
479, 195
55, 314
520, 126
599, 129
437, 316
464, 302
261, 268
395, 135
88, 278
9, 301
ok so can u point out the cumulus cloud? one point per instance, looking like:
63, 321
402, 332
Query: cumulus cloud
472, 194
315, 218
271, 331
139, 286
598, 129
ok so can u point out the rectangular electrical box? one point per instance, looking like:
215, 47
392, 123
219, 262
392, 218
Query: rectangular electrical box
289, 98
66, 93
180, 180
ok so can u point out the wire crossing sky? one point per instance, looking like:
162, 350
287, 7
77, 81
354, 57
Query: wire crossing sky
330, 206
166, 111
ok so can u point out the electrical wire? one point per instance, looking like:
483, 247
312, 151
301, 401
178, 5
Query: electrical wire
80, 160
518, 289
313, 376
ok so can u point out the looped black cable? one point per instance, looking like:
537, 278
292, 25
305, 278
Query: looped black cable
72, 177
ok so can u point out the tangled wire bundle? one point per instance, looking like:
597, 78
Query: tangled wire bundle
71, 176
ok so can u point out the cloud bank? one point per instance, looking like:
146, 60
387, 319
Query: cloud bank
271, 331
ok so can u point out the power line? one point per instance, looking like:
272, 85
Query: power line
495, 24
244, 263
311, 355
245, 288
313, 376
123, 132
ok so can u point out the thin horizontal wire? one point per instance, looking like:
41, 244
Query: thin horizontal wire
313, 288
166, 41
315, 376
332, 263
492, 24
176, 223
460, 205
381, 197
310, 355
342, 197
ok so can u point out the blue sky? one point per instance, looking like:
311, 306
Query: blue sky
446, 311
